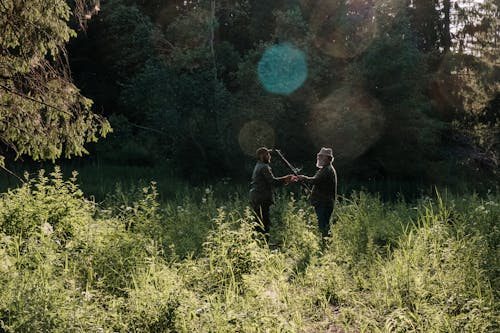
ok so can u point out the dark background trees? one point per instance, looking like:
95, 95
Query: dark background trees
404, 90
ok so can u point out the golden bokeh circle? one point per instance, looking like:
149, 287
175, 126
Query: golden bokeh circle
255, 134
348, 120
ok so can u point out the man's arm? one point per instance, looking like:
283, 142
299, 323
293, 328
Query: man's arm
335, 180
317, 178
268, 175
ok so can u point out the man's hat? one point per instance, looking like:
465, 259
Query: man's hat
326, 152
261, 151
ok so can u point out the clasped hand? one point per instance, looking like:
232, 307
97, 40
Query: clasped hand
293, 178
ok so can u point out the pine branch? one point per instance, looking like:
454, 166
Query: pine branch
33, 99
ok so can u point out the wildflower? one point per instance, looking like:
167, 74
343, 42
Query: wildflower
87, 295
5, 265
203, 200
46, 229
208, 190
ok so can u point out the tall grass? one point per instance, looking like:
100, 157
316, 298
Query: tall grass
140, 262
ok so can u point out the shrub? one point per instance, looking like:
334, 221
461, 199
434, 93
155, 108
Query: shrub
47, 205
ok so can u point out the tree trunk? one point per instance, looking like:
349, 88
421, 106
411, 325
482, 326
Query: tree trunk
446, 35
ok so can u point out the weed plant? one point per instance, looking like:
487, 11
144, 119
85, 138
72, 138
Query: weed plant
137, 262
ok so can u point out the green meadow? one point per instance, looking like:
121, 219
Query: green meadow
169, 257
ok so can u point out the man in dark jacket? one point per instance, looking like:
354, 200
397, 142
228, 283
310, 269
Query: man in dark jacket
262, 186
324, 191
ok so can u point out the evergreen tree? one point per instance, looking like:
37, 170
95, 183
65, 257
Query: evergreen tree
394, 69
42, 113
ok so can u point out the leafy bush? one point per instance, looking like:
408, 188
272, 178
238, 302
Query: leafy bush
51, 206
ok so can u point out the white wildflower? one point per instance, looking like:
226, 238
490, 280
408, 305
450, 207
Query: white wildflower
87, 295
46, 229
480, 208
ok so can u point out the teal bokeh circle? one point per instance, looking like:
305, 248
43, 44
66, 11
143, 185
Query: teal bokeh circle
282, 69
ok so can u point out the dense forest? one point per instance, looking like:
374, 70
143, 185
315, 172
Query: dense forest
404, 90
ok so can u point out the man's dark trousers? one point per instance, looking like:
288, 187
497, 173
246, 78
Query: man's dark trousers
261, 211
324, 212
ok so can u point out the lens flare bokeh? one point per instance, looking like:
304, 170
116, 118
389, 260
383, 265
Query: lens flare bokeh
255, 134
349, 120
343, 30
282, 69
